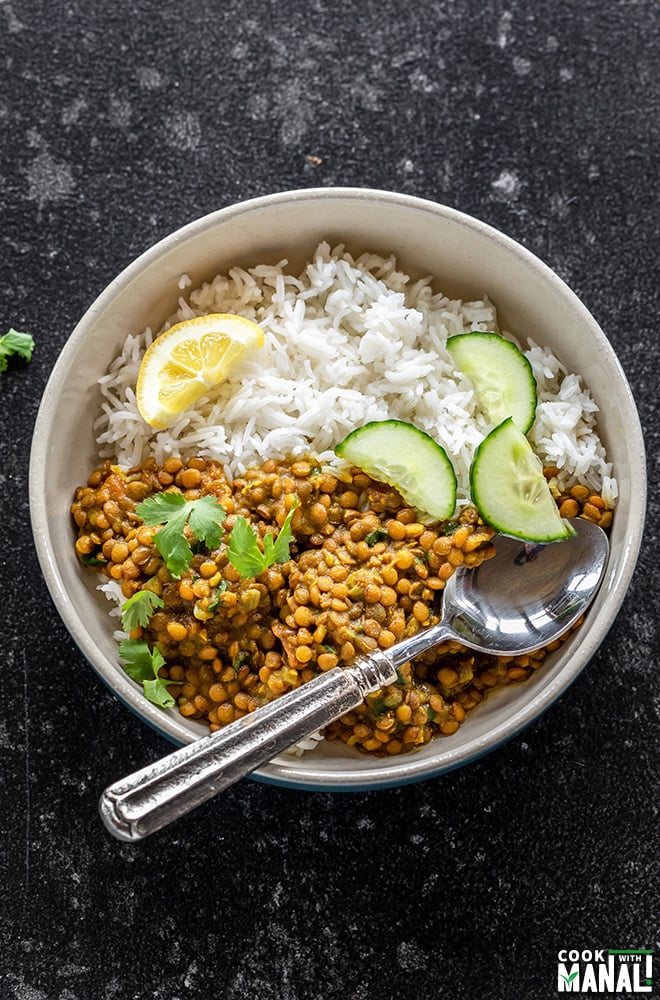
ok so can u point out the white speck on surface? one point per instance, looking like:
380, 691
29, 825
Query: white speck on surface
504, 29
24, 992
6, 741
278, 892
551, 43
240, 50
410, 956
71, 969
191, 975
419, 81
409, 55
566, 74
295, 111
13, 23
521, 66
183, 130
149, 78
71, 114
49, 179
507, 184
35, 140
369, 96
559, 205
119, 112
257, 107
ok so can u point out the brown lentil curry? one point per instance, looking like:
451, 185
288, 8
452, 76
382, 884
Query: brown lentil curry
363, 573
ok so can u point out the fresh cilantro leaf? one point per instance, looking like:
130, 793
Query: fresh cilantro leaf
205, 520
157, 693
173, 545
139, 608
15, 343
244, 552
376, 536
449, 527
140, 662
203, 516
222, 586
161, 507
90, 560
243, 657
142, 665
280, 549
379, 707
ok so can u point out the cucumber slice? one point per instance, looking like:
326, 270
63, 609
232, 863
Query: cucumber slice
502, 376
510, 491
397, 453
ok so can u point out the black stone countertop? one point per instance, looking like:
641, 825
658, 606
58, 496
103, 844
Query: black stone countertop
121, 121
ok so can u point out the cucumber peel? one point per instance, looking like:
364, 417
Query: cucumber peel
510, 491
401, 455
501, 375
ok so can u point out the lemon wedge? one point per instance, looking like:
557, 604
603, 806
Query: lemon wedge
189, 359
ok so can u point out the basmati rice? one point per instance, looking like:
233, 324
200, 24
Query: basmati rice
346, 341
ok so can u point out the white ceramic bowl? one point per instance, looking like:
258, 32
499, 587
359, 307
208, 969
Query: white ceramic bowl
468, 259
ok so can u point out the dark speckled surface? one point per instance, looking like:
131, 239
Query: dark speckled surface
120, 122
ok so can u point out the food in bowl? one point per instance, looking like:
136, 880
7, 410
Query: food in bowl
347, 343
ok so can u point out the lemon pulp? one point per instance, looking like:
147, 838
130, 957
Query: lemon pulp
190, 358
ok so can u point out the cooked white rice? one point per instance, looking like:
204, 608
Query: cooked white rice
346, 341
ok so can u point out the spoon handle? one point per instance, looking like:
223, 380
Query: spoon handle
151, 798
425, 639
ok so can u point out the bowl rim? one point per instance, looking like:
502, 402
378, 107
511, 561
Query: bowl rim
398, 770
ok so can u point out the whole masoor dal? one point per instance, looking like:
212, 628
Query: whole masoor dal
364, 572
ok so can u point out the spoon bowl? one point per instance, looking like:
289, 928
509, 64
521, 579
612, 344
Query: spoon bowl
521, 600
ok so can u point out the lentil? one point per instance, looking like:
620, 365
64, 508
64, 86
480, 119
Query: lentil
234, 644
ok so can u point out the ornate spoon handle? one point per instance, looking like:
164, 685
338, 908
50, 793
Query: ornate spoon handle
151, 798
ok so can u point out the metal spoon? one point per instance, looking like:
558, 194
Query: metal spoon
522, 599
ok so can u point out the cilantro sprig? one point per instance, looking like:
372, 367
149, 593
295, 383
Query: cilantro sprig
142, 665
204, 518
139, 608
15, 344
244, 552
